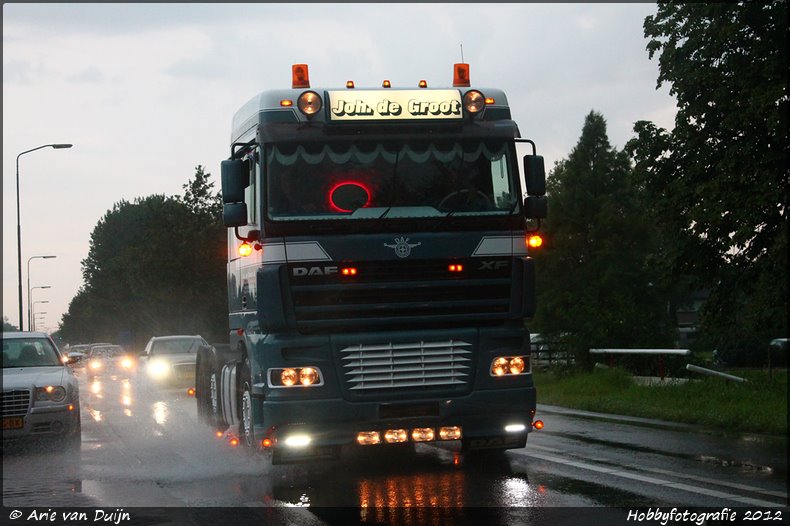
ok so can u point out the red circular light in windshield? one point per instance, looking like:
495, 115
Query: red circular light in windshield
348, 196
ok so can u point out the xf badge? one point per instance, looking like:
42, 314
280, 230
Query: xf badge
402, 247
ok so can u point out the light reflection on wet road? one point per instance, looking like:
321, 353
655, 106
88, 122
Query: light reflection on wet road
143, 446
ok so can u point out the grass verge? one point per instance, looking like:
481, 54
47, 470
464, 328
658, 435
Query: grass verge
756, 406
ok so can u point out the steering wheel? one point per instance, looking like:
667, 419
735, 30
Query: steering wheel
472, 197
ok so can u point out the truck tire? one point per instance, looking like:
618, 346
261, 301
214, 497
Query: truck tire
207, 391
246, 421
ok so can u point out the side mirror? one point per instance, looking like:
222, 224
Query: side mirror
234, 214
536, 207
535, 174
235, 178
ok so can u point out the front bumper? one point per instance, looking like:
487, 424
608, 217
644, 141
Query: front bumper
49, 421
482, 415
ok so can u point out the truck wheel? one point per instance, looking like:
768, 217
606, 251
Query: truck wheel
247, 423
207, 389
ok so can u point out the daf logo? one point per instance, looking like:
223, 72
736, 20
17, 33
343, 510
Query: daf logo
402, 247
314, 271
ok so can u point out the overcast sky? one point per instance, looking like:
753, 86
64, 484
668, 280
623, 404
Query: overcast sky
146, 92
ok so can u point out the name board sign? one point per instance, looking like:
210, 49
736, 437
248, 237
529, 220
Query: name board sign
385, 105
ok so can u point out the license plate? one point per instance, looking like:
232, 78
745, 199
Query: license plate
13, 423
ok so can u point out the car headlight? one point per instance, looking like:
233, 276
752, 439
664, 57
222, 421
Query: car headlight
127, 363
53, 393
158, 368
95, 365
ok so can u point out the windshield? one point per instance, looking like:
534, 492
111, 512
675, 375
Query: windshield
371, 180
175, 346
29, 352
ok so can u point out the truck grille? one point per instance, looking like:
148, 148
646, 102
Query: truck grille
406, 365
388, 294
16, 403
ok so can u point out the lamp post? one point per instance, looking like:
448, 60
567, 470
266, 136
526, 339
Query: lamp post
33, 310
30, 299
19, 228
28, 285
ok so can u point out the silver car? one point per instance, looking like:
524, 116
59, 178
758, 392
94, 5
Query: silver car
170, 360
41, 396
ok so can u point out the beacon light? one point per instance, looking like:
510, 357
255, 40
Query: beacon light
461, 75
300, 76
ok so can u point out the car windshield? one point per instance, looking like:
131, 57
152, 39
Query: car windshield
377, 180
29, 352
107, 352
175, 346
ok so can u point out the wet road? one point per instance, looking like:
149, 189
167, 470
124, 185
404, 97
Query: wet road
143, 447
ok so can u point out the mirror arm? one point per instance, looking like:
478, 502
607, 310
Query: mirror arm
242, 148
253, 235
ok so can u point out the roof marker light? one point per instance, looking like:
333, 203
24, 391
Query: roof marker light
386, 84
350, 84
285, 103
300, 76
489, 100
423, 84
455, 268
461, 75
348, 271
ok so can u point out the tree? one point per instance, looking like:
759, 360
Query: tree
7, 327
155, 266
719, 178
596, 287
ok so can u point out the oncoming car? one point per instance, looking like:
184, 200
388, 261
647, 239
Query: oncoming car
107, 358
170, 360
41, 396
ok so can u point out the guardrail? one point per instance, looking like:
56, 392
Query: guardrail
660, 352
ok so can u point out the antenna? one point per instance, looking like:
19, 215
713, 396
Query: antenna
462, 54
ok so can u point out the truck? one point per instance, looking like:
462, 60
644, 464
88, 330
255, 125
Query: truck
379, 271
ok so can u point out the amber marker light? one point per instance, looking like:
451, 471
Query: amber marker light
422, 434
266, 443
535, 241
350, 84
489, 100
423, 84
191, 391
367, 438
386, 84
538, 424
394, 436
300, 76
450, 433
234, 442
349, 271
455, 268
245, 249
286, 103
71, 407
218, 434
516, 365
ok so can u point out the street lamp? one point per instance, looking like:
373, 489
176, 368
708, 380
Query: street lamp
28, 285
19, 228
32, 326
30, 299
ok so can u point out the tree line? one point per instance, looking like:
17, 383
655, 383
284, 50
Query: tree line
632, 234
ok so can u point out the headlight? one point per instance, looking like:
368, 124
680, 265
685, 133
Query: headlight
158, 369
95, 365
127, 363
295, 377
51, 393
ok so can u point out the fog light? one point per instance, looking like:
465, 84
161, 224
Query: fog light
126, 363
366, 438
57, 427
515, 428
450, 433
395, 435
422, 434
288, 377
